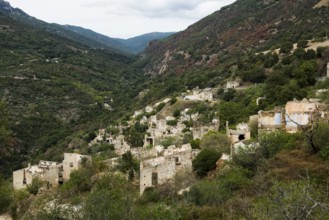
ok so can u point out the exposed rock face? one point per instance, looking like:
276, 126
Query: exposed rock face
322, 3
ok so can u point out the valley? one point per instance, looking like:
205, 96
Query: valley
225, 120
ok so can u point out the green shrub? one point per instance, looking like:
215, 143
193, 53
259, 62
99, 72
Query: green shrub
272, 143
5, 196
160, 106
195, 144
176, 113
172, 122
173, 100
205, 161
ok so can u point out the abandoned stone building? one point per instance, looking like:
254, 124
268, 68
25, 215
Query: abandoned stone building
232, 85
200, 130
296, 113
241, 133
200, 95
299, 113
269, 121
120, 145
73, 161
99, 138
48, 171
52, 173
162, 169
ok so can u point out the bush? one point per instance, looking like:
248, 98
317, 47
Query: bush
216, 192
173, 100
176, 113
272, 143
293, 200
205, 162
34, 187
160, 106
286, 47
195, 144
172, 122
216, 141
5, 196
302, 44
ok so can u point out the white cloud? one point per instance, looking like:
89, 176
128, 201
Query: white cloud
122, 18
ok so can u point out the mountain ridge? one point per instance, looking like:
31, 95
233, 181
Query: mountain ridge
132, 45
237, 28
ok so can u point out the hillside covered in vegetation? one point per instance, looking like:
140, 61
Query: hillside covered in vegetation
61, 92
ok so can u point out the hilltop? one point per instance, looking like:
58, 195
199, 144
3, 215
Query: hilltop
239, 28
54, 86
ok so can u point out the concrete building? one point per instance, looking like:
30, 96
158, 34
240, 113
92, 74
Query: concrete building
162, 169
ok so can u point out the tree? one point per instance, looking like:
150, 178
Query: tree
286, 47
232, 112
305, 73
293, 200
310, 130
5, 196
34, 187
302, 44
127, 164
205, 161
216, 141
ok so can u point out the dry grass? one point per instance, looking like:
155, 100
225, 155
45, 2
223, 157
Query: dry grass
297, 164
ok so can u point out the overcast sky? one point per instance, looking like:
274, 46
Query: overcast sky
122, 18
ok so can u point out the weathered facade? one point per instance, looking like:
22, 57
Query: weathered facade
269, 121
299, 113
48, 171
295, 114
73, 161
162, 169
52, 173
240, 134
200, 95
232, 85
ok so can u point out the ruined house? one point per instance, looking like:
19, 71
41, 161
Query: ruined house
47, 171
241, 133
50, 172
119, 143
296, 113
232, 85
200, 95
269, 121
162, 169
299, 113
99, 138
73, 161
200, 130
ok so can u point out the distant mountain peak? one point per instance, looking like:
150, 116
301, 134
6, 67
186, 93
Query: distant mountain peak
4, 5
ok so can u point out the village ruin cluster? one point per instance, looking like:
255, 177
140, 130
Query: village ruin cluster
52, 173
158, 163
